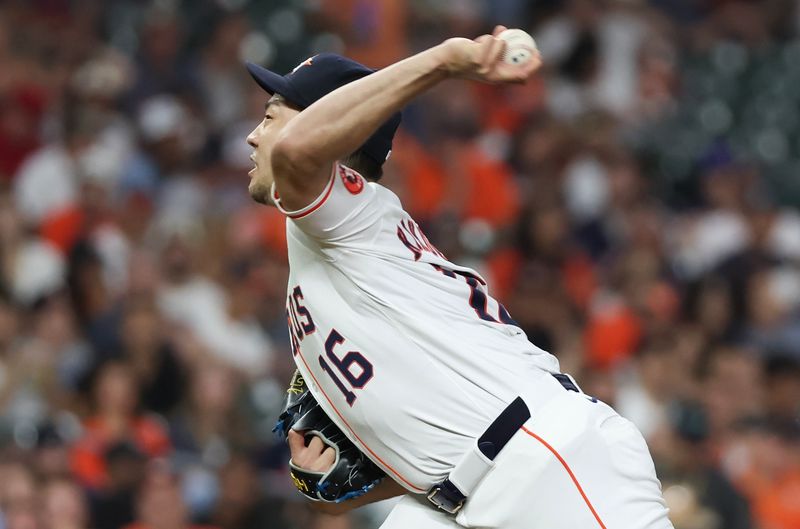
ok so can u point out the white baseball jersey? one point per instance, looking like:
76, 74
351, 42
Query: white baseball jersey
405, 351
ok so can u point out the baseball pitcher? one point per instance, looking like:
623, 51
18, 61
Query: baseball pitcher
412, 379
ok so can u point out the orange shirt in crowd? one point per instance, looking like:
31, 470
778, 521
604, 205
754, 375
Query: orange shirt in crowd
374, 31
503, 265
774, 501
63, 228
612, 334
477, 188
87, 457
507, 107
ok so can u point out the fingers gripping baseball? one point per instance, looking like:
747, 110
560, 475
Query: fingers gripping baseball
316, 457
498, 29
483, 59
492, 50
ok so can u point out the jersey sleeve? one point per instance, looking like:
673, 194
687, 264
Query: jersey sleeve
348, 208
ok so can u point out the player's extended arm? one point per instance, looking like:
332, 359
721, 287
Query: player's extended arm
318, 457
339, 123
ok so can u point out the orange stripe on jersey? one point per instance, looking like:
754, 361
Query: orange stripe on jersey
311, 208
569, 471
317, 205
397, 474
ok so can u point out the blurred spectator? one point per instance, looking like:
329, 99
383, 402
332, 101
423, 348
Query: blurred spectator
710, 304
222, 78
43, 367
764, 463
51, 455
774, 304
113, 506
374, 32
697, 493
49, 180
159, 504
210, 426
732, 388
782, 388
713, 235
96, 310
18, 496
644, 396
20, 118
161, 170
201, 305
158, 68
116, 417
241, 505
63, 505
32, 268
151, 356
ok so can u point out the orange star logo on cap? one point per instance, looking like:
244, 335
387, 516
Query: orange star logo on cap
306, 62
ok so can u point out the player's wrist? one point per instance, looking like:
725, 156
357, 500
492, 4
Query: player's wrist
456, 57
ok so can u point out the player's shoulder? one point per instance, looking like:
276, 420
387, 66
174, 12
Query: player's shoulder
387, 195
355, 182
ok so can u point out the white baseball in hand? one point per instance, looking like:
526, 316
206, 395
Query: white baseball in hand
520, 46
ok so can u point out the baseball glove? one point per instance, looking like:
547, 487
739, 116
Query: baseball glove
352, 473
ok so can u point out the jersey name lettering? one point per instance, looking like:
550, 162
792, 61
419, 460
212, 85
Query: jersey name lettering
478, 298
412, 237
299, 319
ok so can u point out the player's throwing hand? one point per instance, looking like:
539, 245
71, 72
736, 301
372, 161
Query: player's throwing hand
482, 59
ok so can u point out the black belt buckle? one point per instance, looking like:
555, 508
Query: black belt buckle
447, 497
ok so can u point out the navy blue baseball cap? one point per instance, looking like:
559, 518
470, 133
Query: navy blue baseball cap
318, 76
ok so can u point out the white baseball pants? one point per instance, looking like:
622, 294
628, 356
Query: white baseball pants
575, 464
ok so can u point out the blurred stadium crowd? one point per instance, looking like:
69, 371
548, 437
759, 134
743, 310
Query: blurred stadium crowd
635, 208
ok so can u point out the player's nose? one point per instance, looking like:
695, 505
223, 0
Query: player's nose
251, 138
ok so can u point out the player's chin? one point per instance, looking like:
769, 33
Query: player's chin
260, 192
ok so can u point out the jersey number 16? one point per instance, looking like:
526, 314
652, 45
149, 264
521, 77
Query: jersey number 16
344, 365
353, 367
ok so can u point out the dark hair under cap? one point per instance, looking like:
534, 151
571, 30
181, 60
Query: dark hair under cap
318, 76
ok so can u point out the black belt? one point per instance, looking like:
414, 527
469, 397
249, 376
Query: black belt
445, 495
